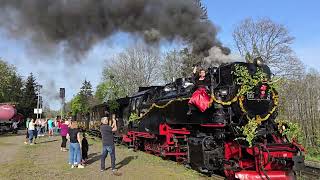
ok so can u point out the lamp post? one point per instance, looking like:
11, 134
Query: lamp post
40, 105
38, 101
62, 97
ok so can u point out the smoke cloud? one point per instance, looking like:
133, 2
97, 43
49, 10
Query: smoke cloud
78, 25
217, 56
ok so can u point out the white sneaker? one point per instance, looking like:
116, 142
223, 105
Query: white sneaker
80, 166
73, 166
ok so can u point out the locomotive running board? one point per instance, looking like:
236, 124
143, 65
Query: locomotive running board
214, 125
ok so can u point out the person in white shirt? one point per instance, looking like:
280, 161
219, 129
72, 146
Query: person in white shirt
31, 129
15, 127
38, 128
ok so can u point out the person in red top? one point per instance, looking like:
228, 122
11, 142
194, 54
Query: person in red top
63, 132
200, 97
59, 122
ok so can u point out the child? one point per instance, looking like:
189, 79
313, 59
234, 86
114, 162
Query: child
84, 148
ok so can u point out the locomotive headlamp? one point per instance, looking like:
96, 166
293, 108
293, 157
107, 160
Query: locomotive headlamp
224, 92
212, 70
167, 89
258, 61
187, 84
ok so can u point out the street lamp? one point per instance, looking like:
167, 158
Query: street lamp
38, 89
62, 97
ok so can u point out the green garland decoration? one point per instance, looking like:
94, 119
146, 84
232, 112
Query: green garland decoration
249, 130
247, 83
133, 117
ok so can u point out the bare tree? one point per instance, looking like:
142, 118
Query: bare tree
172, 66
299, 102
291, 67
269, 40
204, 11
135, 66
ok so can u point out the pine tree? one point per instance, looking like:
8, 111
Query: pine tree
82, 102
29, 100
86, 89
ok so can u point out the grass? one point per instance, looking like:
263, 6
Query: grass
313, 154
313, 158
45, 161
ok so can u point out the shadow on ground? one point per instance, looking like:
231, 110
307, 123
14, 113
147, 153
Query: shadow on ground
93, 157
42, 142
124, 162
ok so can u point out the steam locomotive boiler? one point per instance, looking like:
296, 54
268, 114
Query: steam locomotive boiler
236, 135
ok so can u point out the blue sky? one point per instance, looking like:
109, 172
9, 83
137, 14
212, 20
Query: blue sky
301, 18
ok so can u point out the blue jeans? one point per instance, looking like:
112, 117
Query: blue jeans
111, 150
39, 130
74, 153
43, 130
30, 132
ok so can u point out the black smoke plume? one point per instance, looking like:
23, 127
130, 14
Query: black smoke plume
79, 24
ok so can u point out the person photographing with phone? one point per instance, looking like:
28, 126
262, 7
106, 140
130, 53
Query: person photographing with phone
108, 126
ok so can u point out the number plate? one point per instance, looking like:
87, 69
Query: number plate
254, 96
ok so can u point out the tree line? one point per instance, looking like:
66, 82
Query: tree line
17, 90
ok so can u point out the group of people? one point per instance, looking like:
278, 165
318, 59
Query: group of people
78, 144
39, 127
79, 147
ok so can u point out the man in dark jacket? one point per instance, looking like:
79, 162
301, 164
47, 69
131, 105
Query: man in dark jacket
107, 128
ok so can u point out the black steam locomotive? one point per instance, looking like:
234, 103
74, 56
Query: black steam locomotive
236, 135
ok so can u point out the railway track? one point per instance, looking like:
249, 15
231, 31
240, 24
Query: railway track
311, 171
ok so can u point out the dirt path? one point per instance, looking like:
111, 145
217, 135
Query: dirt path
45, 161
9, 147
